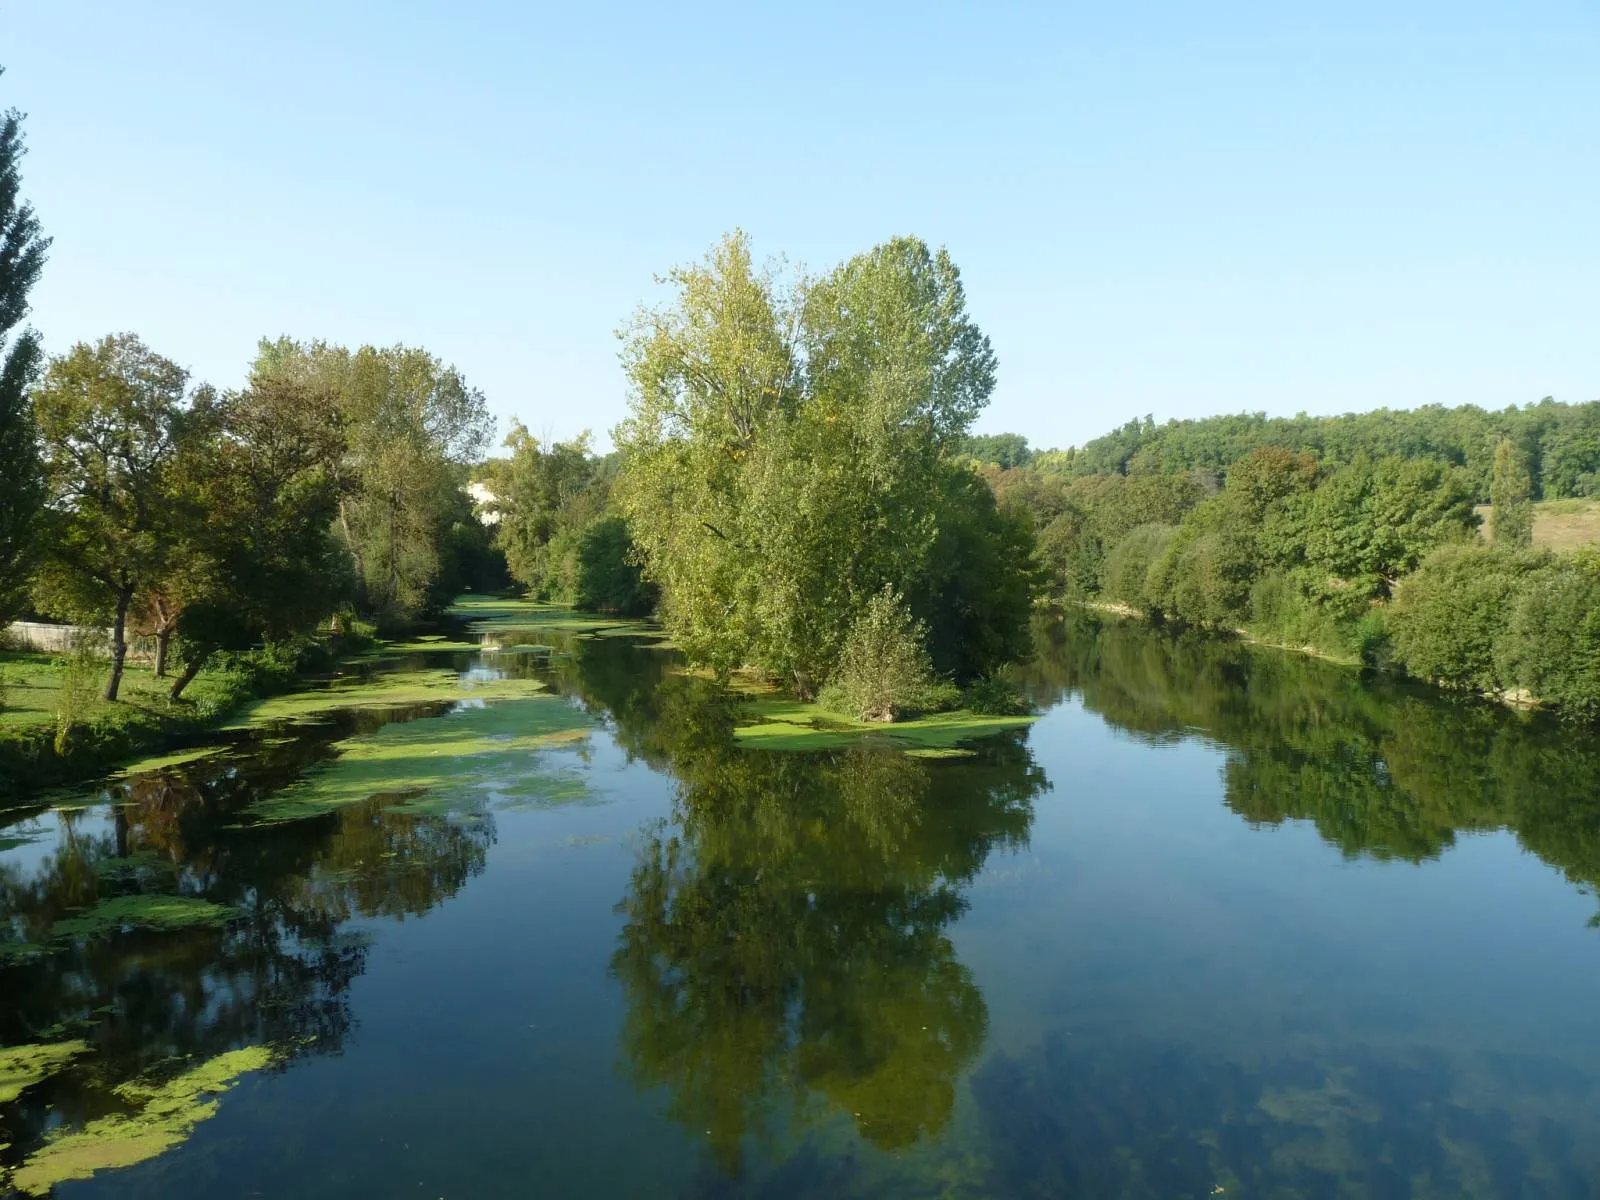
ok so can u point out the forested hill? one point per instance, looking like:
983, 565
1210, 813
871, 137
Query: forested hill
1561, 443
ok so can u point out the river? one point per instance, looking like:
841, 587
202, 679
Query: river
1224, 921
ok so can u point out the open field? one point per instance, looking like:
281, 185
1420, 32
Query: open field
1559, 524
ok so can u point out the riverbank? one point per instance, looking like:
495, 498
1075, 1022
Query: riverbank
55, 729
1520, 699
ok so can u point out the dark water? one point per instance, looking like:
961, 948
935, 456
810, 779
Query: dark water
1222, 923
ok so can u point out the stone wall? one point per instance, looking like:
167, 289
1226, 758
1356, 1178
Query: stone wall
60, 639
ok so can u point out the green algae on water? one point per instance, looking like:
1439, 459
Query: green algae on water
385, 691
496, 754
156, 912
158, 762
780, 724
23, 1066
162, 1116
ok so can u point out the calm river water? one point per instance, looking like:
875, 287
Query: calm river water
1223, 922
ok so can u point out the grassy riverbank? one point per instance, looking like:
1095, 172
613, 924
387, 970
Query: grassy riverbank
55, 728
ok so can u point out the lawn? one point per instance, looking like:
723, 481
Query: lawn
32, 692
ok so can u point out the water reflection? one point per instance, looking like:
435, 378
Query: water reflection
160, 932
785, 954
1381, 769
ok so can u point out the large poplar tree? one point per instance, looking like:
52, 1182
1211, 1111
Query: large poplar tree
22, 255
792, 452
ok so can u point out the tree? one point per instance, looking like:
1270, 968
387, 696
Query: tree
539, 493
22, 256
264, 564
112, 417
1511, 494
790, 454
410, 426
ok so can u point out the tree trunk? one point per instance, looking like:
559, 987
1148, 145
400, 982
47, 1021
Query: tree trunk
190, 670
163, 640
119, 644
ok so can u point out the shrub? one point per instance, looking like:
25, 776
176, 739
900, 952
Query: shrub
994, 696
1448, 615
883, 671
79, 685
1552, 643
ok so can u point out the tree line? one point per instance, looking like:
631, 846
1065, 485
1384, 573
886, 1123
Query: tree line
1559, 442
1380, 559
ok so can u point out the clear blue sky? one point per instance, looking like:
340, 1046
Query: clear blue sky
1168, 208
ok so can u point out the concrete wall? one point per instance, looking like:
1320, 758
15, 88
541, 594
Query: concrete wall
60, 639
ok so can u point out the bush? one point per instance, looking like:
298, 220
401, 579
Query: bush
608, 580
994, 697
883, 671
1448, 616
1552, 644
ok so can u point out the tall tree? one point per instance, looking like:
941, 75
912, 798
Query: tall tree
790, 455
264, 564
22, 255
1511, 495
410, 425
112, 418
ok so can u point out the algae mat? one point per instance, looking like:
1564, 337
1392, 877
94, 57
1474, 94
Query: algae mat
162, 1116
791, 725
384, 691
502, 754
23, 1066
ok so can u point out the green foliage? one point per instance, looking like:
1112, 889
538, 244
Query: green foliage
114, 419
883, 671
1564, 440
409, 426
1004, 450
1448, 618
1552, 644
994, 696
609, 580
789, 456
1129, 566
1511, 495
22, 257
79, 685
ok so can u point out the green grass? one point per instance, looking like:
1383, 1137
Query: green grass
33, 684
780, 724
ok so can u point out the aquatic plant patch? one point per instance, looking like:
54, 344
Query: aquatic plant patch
780, 724
162, 1116
383, 691
23, 1066
498, 753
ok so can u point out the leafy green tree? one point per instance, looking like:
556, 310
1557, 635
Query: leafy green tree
1371, 523
410, 425
540, 493
1004, 450
790, 455
883, 670
22, 256
1449, 615
1551, 645
264, 565
113, 418
608, 578
1511, 494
